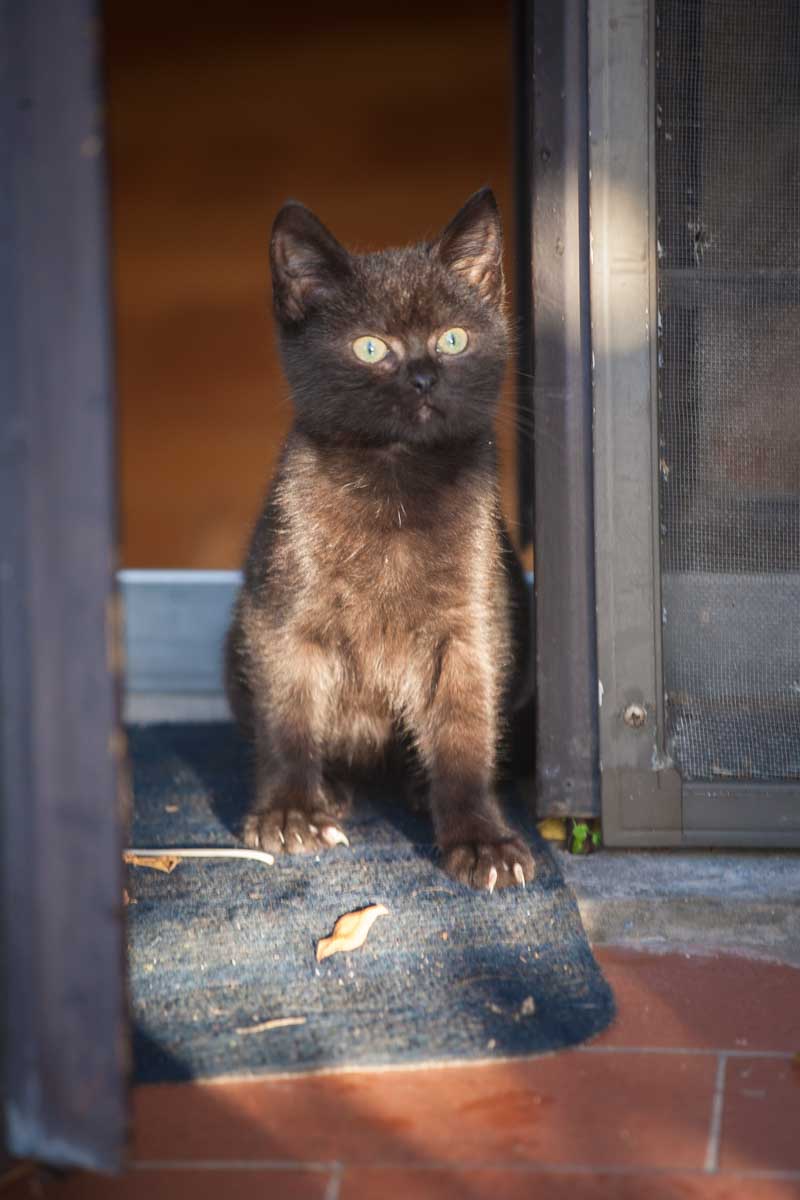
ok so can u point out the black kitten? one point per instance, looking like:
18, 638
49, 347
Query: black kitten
382, 602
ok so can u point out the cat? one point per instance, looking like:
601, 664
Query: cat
382, 602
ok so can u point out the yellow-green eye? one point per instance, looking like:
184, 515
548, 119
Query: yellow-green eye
370, 349
452, 341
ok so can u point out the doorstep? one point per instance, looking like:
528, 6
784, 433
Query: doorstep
695, 901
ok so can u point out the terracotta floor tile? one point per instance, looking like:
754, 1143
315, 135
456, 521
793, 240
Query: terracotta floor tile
604, 1107
723, 1002
448, 1184
570, 1108
194, 1185
761, 1121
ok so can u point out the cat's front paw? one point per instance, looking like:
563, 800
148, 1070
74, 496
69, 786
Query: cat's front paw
292, 831
490, 865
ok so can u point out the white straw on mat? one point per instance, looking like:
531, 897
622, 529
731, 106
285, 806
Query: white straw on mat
199, 852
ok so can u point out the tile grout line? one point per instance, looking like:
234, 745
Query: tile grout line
717, 1110
337, 1169
334, 1184
234, 1164
702, 1051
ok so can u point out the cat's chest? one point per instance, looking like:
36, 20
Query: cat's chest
379, 544
379, 563
370, 570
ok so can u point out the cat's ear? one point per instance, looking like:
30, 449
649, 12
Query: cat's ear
472, 246
308, 263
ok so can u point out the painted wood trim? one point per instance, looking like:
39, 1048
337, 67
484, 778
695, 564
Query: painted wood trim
65, 1065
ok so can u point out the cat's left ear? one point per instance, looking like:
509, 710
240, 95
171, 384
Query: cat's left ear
472, 246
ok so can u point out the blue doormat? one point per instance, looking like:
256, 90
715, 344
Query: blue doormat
223, 974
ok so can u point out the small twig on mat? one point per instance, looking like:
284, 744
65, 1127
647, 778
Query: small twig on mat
168, 852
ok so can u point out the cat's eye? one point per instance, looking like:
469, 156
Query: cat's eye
370, 349
453, 341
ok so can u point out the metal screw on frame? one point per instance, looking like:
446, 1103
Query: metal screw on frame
635, 715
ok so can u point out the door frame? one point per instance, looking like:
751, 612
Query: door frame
645, 802
62, 779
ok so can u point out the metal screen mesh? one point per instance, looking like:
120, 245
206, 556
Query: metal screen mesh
728, 211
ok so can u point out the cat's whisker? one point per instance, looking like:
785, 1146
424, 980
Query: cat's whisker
509, 421
523, 423
509, 402
510, 405
538, 435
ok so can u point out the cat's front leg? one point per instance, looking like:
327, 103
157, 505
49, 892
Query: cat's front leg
297, 806
456, 733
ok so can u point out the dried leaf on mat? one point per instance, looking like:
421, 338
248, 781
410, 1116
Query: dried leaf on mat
164, 862
350, 931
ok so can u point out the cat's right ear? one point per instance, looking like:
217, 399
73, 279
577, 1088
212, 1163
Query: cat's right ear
308, 263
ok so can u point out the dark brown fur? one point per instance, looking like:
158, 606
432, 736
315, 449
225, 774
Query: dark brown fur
382, 600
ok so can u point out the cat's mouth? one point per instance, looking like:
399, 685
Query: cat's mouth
425, 411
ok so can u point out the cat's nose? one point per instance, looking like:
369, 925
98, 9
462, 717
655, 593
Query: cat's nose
423, 379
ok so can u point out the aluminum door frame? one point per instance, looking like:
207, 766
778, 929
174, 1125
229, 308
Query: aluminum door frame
644, 800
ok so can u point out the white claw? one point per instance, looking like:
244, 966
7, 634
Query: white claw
297, 835
312, 828
519, 875
492, 880
332, 836
282, 838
